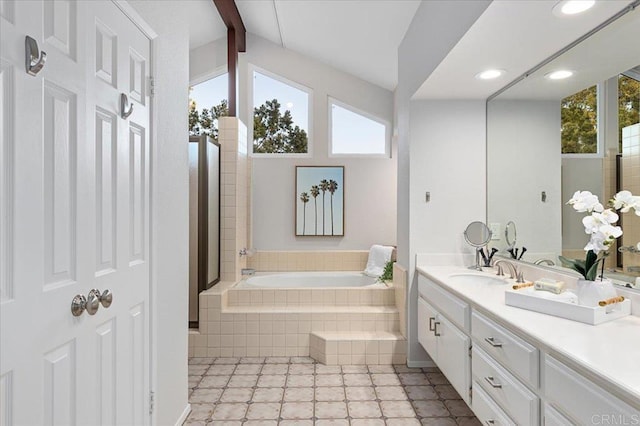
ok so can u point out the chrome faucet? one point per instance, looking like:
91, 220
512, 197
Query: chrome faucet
513, 270
545, 261
630, 249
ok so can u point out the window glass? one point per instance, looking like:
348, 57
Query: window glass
628, 111
208, 102
280, 116
579, 122
354, 133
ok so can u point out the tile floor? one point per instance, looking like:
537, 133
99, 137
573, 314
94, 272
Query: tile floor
300, 391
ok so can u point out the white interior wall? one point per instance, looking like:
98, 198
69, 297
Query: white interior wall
370, 183
435, 29
170, 218
448, 161
523, 156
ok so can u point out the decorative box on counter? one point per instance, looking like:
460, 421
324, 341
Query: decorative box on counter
545, 302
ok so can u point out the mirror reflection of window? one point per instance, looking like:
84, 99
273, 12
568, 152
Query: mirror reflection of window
628, 103
579, 122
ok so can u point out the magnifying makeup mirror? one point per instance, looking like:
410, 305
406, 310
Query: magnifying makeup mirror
477, 235
510, 234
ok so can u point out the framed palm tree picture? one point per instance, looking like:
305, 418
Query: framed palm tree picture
320, 201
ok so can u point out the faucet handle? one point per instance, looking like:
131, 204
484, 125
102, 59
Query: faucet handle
500, 272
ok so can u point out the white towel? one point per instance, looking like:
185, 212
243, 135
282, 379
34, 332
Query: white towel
378, 258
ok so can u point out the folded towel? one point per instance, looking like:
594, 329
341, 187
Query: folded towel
378, 258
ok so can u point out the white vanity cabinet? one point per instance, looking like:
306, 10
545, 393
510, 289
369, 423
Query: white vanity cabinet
446, 344
583, 400
513, 380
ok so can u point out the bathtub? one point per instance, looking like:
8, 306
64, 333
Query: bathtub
310, 280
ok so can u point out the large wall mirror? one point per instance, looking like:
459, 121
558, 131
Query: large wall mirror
547, 138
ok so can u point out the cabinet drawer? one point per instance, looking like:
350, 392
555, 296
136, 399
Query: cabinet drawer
553, 418
510, 350
582, 399
519, 402
455, 309
486, 410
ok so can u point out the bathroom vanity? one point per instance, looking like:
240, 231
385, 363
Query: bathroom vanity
514, 366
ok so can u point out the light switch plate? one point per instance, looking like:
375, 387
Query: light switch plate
495, 230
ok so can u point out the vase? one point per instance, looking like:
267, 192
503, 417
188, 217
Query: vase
592, 292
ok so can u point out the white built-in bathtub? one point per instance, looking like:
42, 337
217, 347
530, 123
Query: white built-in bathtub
310, 280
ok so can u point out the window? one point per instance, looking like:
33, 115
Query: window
628, 108
281, 121
356, 133
208, 102
579, 122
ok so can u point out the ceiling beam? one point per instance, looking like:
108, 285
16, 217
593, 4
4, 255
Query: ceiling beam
236, 42
231, 17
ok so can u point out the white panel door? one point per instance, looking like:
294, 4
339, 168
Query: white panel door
74, 216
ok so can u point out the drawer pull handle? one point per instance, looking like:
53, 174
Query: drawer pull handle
492, 382
490, 422
435, 328
431, 327
493, 342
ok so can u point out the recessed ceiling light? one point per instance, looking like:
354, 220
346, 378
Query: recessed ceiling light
559, 75
572, 7
489, 74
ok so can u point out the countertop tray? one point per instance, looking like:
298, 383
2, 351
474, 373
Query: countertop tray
586, 314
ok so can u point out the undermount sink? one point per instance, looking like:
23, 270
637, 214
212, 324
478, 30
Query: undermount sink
476, 279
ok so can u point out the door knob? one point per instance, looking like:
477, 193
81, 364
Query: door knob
93, 302
105, 298
78, 305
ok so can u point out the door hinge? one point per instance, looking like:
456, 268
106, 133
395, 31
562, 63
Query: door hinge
152, 86
151, 402
469, 351
470, 393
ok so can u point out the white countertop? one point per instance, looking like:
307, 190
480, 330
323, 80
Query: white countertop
610, 351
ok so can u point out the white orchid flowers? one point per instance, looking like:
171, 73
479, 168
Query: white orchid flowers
585, 201
625, 201
600, 223
600, 226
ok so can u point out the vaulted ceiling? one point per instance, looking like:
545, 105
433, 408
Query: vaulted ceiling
361, 37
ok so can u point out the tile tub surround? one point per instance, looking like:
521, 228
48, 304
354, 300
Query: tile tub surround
299, 391
341, 260
263, 322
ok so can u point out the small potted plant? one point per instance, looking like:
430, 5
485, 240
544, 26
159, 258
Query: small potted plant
600, 225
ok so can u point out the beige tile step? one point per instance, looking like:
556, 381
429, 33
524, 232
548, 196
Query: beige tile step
319, 309
358, 347
302, 319
311, 297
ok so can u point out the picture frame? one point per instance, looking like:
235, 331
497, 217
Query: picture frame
319, 201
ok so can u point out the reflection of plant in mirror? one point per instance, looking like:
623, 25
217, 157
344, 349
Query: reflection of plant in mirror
579, 122
628, 104
600, 226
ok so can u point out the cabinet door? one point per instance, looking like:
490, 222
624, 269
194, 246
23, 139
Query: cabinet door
453, 356
426, 319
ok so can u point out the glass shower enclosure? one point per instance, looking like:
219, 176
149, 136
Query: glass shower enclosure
204, 219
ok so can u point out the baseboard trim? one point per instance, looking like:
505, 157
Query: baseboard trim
420, 364
184, 415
